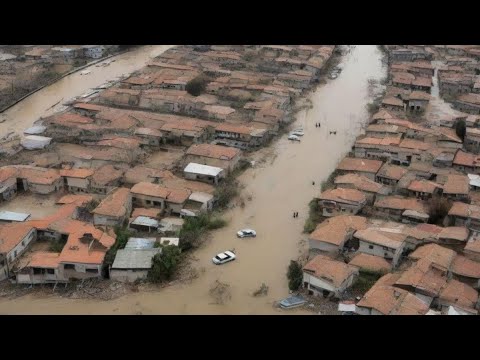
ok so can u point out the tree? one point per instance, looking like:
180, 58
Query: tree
461, 129
294, 275
164, 264
196, 86
438, 208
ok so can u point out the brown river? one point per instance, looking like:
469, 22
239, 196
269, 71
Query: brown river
277, 187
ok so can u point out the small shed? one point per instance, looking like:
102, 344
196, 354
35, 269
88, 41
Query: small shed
144, 223
131, 264
205, 173
10, 216
33, 142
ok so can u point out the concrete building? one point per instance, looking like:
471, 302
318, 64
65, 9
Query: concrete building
341, 201
114, 209
14, 240
209, 174
385, 244
223, 157
132, 264
77, 180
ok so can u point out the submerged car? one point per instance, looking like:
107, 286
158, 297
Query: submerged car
294, 138
292, 302
297, 133
223, 257
246, 233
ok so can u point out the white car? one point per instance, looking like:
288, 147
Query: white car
294, 138
223, 258
246, 233
297, 133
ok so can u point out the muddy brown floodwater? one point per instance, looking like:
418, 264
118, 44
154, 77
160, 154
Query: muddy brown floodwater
277, 187
41, 104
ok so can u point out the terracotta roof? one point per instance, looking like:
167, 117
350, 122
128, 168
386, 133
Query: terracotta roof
421, 276
457, 184
239, 129
424, 231
44, 259
414, 144
470, 98
148, 132
473, 246
393, 101
77, 173
472, 132
360, 182
465, 210
37, 175
178, 196
88, 106
355, 164
6, 173
152, 212
149, 189
343, 195
466, 159
142, 173
106, 174
213, 151
333, 271
424, 186
12, 234
75, 199
460, 294
115, 204
392, 171
387, 128
387, 141
335, 230
388, 300
71, 119
400, 203
465, 267
371, 263
439, 256
459, 233
374, 236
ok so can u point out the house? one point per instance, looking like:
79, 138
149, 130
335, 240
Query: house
457, 187
385, 299
340, 201
114, 209
132, 264
371, 263
454, 237
376, 148
40, 267
472, 140
14, 240
465, 270
421, 234
382, 130
239, 136
39, 180
333, 234
395, 207
153, 195
466, 215
106, 178
77, 180
150, 137
214, 155
209, 174
197, 202
368, 168
380, 242
439, 257
390, 174
469, 103
93, 51
370, 188
457, 294
424, 280
8, 183
327, 277
424, 189
393, 103
418, 101
466, 162
472, 248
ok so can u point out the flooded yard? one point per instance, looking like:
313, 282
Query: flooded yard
277, 188
39, 206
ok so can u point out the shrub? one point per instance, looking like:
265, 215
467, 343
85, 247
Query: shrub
196, 86
164, 264
314, 217
123, 235
460, 129
294, 275
365, 281
195, 227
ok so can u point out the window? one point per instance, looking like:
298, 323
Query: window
23, 243
38, 271
370, 246
69, 266
51, 271
92, 271
15, 254
148, 202
157, 203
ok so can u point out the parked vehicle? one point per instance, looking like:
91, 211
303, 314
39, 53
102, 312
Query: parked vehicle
246, 233
294, 138
297, 133
223, 257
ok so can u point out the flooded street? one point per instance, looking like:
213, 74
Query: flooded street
25, 113
277, 187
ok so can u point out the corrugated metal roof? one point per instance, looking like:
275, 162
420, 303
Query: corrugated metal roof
140, 243
13, 216
145, 221
202, 169
134, 259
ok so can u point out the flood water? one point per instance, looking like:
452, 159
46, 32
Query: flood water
277, 187
25, 113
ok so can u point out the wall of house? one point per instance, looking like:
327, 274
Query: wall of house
127, 275
80, 271
377, 250
338, 208
322, 246
228, 165
319, 283
46, 189
148, 201
199, 177
10, 188
31, 278
18, 250
174, 208
106, 220
77, 183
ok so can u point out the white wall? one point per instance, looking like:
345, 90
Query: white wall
387, 253
323, 246
17, 251
106, 220
76, 182
127, 275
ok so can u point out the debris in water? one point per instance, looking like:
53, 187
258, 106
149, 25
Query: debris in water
262, 291
220, 292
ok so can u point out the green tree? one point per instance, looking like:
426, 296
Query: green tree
461, 129
196, 86
164, 264
122, 236
294, 275
438, 208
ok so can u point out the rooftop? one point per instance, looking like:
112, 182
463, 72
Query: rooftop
437, 255
355, 164
202, 169
336, 229
213, 151
134, 259
343, 195
115, 204
392, 240
333, 271
371, 263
